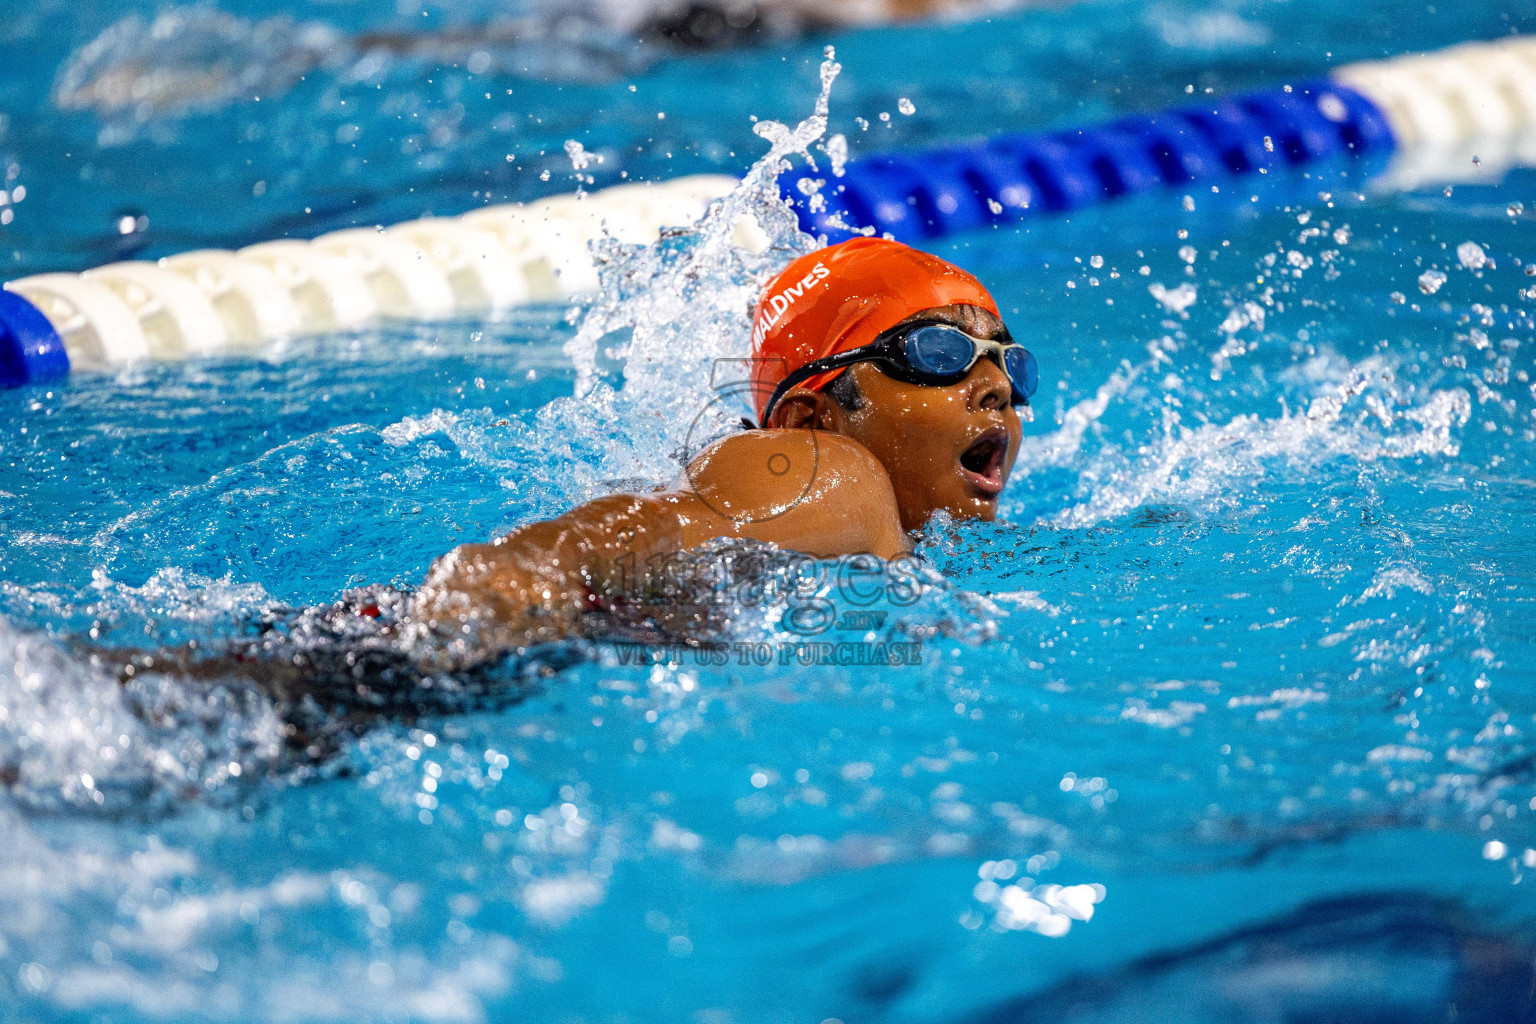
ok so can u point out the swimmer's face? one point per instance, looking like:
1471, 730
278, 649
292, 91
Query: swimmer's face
948, 448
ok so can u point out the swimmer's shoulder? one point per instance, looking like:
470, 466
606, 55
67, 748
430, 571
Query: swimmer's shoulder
813, 491
800, 462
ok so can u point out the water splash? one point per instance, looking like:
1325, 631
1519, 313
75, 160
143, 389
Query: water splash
72, 737
676, 315
1354, 411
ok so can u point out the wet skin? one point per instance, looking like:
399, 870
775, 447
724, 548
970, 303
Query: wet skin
821, 480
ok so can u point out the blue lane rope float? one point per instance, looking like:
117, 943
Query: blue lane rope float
935, 193
30, 349
1396, 124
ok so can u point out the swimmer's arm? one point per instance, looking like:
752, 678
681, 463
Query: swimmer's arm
535, 583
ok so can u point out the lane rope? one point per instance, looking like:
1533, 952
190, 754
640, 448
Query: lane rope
1389, 125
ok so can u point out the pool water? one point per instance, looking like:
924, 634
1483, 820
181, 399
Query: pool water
1228, 721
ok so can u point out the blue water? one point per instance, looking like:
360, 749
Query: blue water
1247, 673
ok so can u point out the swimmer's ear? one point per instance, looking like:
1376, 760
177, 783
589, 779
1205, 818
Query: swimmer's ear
803, 409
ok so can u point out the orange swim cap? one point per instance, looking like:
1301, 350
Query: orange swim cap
842, 298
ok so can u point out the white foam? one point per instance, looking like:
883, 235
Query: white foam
69, 736
1356, 412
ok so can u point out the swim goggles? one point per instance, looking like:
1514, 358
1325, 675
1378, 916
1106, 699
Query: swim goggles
927, 352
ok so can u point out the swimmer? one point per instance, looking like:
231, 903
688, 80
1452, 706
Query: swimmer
717, 24
888, 390
697, 24
181, 60
689, 24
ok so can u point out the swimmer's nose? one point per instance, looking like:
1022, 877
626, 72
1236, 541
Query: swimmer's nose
990, 388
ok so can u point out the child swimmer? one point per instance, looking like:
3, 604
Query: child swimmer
888, 390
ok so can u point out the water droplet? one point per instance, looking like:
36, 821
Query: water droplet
1095, 262
837, 153
1174, 300
1515, 209
1269, 144
997, 208
578, 155
905, 106
1189, 203
1430, 281
1471, 255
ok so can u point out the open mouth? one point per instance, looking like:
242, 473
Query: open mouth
982, 462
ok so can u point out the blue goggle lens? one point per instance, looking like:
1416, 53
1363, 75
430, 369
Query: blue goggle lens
1022, 370
940, 351
945, 352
